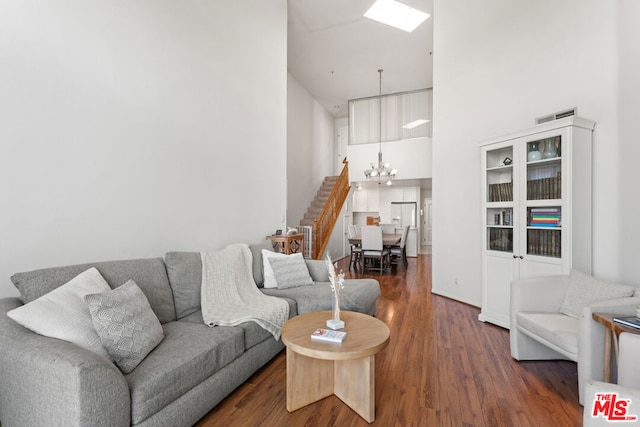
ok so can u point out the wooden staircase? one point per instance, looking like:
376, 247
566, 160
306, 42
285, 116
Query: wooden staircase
324, 210
318, 203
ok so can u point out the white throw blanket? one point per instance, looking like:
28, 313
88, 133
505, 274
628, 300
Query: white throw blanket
230, 295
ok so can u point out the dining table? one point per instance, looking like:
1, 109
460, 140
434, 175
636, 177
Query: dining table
387, 240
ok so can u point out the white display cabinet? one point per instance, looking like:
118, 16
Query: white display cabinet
536, 208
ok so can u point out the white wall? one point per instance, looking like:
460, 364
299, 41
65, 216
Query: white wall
629, 110
497, 65
310, 149
411, 157
132, 128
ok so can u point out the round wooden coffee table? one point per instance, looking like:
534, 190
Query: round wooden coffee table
318, 369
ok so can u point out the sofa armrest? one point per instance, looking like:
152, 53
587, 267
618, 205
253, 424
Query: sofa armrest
626, 306
46, 381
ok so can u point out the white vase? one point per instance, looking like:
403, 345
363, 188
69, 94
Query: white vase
549, 149
335, 322
534, 154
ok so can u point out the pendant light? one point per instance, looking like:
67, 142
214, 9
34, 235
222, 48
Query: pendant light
380, 170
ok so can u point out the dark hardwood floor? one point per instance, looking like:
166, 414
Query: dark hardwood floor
442, 367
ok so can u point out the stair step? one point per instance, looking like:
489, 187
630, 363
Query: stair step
312, 213
317, 204
319, 201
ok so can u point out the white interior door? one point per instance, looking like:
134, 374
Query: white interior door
426, 222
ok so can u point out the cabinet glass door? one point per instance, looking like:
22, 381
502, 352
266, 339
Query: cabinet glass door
499, 198
544, 194
500, 229
544, 169
500, 175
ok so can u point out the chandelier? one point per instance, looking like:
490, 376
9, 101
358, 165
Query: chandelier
380, 169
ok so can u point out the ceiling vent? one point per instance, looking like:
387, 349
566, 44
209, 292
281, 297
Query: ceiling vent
556, 116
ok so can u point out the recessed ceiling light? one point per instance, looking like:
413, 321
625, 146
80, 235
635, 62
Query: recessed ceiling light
415, 124
396, 14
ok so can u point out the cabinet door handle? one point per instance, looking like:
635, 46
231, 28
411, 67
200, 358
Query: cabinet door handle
516, 256
521, 257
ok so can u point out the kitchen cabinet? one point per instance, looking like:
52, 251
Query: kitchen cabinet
386, 196
366, 200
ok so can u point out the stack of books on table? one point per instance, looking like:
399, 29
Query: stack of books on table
328, 335
634, 322
545, 217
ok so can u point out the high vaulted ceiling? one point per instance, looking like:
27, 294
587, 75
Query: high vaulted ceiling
335, 53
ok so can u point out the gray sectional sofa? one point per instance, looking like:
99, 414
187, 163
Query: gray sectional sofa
47, 381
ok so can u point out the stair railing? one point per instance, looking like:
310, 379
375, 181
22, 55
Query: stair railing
323, 225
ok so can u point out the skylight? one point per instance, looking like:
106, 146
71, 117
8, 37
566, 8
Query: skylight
396, 14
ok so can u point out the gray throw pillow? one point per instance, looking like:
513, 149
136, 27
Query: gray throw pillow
290, 271
127, 326
584, 290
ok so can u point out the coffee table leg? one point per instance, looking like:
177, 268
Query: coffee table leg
308, 380
355, 385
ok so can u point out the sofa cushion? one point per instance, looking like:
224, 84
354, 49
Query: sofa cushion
189, 354
358, 295
149, 274
126, 324
290, 271
556, 328
63, 314
253, 333
257, 264
317, 270
584, 289
185, 278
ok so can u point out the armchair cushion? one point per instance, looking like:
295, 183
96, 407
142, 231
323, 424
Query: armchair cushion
584, 290
556, 328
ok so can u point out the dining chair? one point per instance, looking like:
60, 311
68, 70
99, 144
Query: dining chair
373, 249
400, 250
356, 250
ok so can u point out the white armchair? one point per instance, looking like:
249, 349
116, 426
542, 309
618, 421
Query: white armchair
597, 409
539, 331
